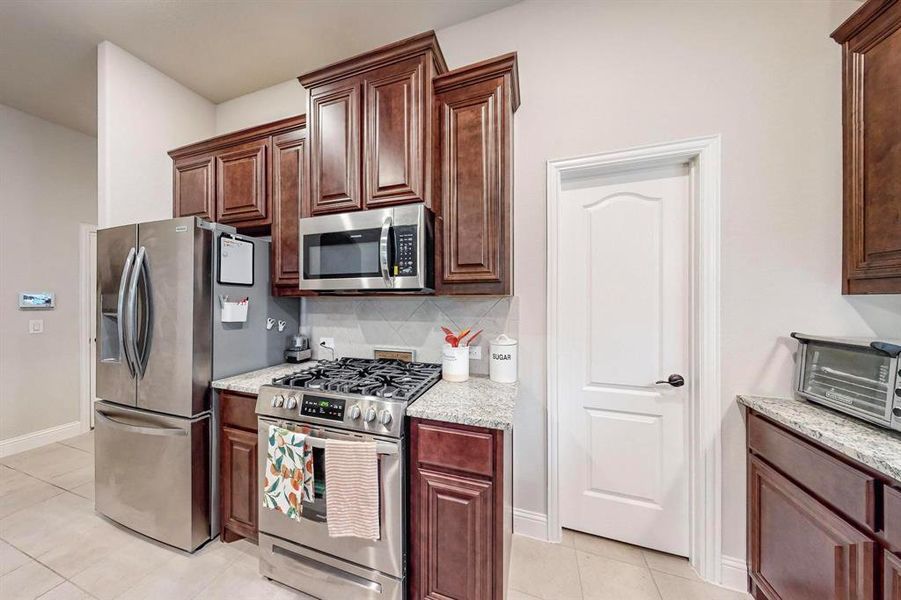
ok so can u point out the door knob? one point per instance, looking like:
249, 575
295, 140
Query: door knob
674, 380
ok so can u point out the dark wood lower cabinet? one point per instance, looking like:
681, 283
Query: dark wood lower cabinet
239, 483
460, 515
238, 486
821, 526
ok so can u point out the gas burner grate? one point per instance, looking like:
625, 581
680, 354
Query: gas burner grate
389, 379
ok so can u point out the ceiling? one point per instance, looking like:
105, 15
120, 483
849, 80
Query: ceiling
219, 49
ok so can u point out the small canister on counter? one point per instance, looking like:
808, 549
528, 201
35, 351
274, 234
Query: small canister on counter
503, 365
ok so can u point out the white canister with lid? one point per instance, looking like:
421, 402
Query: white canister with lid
504, 359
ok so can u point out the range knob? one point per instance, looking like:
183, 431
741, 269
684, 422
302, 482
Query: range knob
292, 402
370, 415
278, 401
385, 417
354, 412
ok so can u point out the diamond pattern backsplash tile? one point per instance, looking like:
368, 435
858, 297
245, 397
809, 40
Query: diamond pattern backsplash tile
360, 325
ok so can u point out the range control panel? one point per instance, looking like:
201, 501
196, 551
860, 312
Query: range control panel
405, 251
323, 408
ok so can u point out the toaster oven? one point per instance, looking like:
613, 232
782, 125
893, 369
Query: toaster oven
859, 377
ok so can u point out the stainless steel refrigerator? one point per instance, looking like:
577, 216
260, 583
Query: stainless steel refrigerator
160, 341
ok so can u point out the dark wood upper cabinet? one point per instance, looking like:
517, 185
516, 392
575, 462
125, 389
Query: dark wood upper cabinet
393, 133
227, 178
335, 147
193, 193
370, 127
241, 182
801, 550
871, 125
288, 184
473, 180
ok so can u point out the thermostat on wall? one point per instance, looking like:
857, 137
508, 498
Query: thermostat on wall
37, 300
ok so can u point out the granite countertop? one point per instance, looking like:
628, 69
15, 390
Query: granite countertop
478, 401
250, 383
878, 448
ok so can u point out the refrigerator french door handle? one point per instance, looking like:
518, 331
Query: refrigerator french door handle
132, 321
120, 312
143, 355
167, 431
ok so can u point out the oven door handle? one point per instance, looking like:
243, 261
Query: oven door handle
384, 240
380, 447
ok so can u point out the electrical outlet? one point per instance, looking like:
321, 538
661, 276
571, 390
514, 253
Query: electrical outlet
475, 353
327, 342
36, 326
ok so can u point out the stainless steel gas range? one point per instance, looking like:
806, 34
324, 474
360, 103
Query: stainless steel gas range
347, 399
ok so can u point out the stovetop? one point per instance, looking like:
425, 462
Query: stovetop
358, 394
387, 379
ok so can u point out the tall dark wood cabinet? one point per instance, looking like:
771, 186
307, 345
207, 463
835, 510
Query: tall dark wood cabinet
289, 181
370, 127
871, 125
473, 181
460, 518
238, 486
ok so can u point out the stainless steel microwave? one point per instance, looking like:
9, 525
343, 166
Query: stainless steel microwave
386, 249
859, 377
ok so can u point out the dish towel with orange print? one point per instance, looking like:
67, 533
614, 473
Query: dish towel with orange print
289, 472
352, 489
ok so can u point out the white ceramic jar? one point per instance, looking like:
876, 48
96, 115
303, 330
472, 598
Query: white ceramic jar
454, 363
503, 365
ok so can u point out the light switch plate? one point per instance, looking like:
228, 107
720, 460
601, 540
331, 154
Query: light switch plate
36, 326
475, 353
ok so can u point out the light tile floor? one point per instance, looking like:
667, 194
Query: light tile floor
54, 546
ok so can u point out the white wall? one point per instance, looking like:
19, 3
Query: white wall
604, 76
48, 186
286, 99
141, 114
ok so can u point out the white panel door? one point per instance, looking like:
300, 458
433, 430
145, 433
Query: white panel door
623, 324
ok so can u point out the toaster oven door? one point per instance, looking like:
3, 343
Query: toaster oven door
857, 380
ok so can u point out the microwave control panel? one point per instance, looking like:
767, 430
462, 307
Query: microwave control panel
405, 251
324, 408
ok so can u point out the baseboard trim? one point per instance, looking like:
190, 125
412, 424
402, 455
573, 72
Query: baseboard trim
33, 440
530, 524
734, 574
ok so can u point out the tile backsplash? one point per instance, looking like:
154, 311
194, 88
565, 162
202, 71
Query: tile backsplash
359, 325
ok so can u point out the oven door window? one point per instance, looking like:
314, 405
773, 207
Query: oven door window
342, 255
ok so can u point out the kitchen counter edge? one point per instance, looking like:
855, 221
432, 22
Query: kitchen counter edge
252, 381
478, 402
875, 447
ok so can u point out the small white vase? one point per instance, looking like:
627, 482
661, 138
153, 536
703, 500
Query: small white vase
455, 363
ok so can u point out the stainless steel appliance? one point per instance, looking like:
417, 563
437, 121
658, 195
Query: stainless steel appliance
159, 343
861, 377
385, 249
299, 350
348, 399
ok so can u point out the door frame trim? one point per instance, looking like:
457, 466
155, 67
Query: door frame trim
703, 156
87, 288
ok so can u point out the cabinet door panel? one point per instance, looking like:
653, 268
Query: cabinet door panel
193, 187
288, 187
239, 481
801, 550
474, 229
892, 577
241, 184
872, 154
455, 536
335, 147
393, 134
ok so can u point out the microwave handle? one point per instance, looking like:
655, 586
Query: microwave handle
384, 240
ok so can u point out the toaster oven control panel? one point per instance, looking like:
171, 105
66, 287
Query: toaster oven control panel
323, 408
405, 251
